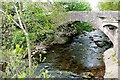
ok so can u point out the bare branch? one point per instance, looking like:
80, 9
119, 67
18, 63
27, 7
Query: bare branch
27, 37
11, 18
20, 22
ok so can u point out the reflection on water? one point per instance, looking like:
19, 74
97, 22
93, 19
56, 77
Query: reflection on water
82, 54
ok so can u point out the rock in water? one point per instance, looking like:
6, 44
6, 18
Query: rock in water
88, 50
84, 54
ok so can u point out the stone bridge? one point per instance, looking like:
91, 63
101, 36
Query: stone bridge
106, 21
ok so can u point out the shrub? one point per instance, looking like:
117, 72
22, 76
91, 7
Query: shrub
81, 27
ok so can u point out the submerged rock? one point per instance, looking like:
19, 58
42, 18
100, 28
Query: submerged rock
88, 50
52, 73
83, 54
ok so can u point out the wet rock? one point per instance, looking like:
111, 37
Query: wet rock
63, 33
60, 39
99, 43
83, 54
39, 49
54, 73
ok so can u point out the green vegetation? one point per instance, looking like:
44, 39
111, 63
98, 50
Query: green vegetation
75, 6
37, 20
81, 27
109, 5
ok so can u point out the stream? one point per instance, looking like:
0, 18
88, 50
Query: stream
82, 55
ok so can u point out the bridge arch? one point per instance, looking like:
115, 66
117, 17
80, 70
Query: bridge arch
97, 20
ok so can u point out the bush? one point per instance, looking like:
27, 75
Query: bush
109, 5
35, 19
18, 68
75, 6
82, 27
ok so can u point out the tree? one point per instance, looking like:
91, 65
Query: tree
33, 19
107, 5
20, 24
75, 6
26, 34
34, 23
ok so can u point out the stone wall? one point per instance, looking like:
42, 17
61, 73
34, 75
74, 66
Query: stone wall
98, 20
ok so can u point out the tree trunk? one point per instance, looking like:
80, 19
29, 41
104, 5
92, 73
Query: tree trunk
29, 49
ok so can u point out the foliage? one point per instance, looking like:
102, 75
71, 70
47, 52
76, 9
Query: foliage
7, 31
40, 20
36, 19
18, 38
106, 5
18, 68
44, 74
75, 6
81, 27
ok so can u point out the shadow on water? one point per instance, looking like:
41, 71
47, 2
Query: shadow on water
82, 54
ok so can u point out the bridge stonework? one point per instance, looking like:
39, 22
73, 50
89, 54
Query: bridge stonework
106, 21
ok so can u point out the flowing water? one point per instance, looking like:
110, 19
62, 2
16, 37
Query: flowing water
84, 53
